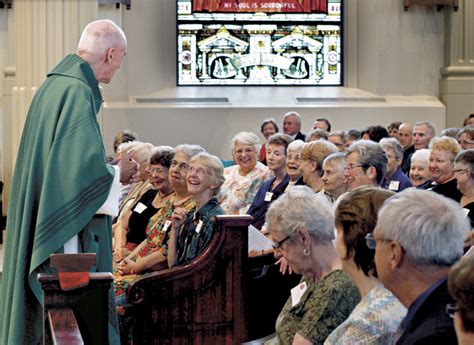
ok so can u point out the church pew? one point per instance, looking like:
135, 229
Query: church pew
79, 314
202, 302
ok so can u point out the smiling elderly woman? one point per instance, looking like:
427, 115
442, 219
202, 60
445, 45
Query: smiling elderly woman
301, 224
242, 181
443, 152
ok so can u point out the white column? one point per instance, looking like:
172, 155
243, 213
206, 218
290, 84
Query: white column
40, 34
457, 77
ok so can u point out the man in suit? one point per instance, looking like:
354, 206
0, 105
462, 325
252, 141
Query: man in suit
292, 125
418, 236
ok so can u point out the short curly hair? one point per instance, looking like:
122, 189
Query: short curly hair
356, 216
461, 286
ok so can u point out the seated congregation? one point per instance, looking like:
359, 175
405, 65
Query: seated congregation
362, 228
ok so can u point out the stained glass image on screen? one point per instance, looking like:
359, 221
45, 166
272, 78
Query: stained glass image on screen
284, 48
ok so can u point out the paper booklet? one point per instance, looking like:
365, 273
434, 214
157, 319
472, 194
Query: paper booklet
257, 240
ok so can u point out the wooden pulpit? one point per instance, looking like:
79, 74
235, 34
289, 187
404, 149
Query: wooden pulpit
75, 301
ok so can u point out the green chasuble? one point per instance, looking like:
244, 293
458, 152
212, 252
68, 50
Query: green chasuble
60, 181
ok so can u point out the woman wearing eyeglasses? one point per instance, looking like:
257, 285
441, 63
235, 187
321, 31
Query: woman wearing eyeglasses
130, 229
301, 225
377, 317
461, 288
191, 231
242, 181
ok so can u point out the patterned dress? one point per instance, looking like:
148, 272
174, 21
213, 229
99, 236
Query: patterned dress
238, 192
322, 307
156, 241
375, 320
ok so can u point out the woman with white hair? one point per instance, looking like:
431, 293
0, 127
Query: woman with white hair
394, 179
192, 230
301, 225
293, 162
419, 169
242, 181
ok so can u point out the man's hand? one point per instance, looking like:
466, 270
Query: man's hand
128, 169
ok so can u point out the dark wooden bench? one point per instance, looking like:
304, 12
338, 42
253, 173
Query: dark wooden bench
199, 303
77, 315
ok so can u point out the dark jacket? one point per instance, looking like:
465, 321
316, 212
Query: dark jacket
430, 324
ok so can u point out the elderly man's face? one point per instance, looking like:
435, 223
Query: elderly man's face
320, 125
290, 125
405, 136
421, 137
441, 166
113, 60
381, 258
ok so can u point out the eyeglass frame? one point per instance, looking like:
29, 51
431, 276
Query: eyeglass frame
451, 309
158, 170
371, 241
200, 171
350, 168
277, 245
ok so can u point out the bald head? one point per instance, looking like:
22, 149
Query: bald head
103, 45
405, 132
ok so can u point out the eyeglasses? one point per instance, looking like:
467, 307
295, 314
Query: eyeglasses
451, 309
465, 142
459, 170
277, 245
160, 171
353, 166
179, 166
199, 171
371, 241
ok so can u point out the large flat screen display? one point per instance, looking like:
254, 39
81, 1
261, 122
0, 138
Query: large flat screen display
259, 42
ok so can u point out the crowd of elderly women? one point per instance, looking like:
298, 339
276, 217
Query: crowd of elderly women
373, 252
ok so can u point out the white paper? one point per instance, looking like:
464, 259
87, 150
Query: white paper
139, 208
257, 240
199, 226
297, 292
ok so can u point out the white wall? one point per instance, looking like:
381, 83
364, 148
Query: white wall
3, 62
395, 52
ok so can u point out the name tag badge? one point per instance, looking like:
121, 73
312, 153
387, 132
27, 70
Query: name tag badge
199, 226
167, 225
297, 292
466, 211
268, 196
394, 185
139, 208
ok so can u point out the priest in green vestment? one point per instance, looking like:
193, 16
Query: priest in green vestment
62, 193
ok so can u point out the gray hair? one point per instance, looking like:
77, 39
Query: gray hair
99, 36
301, 208
189, 150
430, 125
336, 159
316, 134
394, 145
422, 155
450, 132
430, 227
371, 154
293, 113
295, 145
246, 138
466, 159
215, 166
